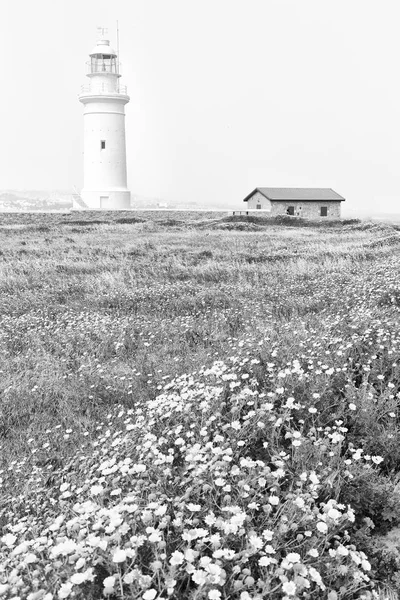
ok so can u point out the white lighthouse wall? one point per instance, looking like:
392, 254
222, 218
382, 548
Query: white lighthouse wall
106, 200
104, 168
105, 177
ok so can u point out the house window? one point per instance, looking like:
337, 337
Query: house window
102, 144
324, 211
258, 206
290, 210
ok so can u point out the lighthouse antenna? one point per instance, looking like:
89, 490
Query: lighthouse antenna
117, 47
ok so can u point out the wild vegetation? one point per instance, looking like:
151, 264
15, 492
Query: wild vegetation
199, 409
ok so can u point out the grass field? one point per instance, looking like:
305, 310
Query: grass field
198, 408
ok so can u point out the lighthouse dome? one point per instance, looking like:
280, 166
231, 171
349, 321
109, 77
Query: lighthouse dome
103, 48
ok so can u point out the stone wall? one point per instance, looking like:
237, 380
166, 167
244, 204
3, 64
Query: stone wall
308, 210
256, 200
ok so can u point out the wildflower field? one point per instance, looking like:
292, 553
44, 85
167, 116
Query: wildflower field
199, 409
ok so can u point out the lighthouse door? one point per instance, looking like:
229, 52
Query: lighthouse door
105, 202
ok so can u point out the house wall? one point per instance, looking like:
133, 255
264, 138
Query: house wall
258, 198
308, 210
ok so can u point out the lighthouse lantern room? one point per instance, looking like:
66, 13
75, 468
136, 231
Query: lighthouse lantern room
104, 99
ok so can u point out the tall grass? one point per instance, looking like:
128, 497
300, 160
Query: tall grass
220, 373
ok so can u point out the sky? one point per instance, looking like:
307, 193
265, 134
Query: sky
226, 96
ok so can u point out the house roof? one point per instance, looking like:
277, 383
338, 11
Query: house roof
303, 194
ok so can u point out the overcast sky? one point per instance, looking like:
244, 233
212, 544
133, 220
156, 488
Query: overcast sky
226, 95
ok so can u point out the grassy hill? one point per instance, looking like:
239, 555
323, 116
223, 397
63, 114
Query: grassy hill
198, 408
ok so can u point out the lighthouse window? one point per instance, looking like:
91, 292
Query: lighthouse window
103, 144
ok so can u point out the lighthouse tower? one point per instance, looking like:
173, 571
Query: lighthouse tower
104, 99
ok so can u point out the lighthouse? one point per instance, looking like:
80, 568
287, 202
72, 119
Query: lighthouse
104, 164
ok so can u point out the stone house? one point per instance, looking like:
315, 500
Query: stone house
311, 203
